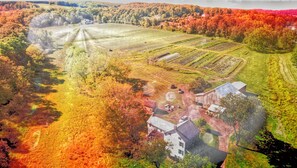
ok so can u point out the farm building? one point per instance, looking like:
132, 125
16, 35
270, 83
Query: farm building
215, 110
181, 137
214, 96
240, 86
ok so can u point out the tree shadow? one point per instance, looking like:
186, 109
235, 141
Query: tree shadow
44, 111
44, 80
214, 132
280, 154
215, 156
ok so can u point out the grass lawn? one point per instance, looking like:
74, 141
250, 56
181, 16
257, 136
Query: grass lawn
242, 158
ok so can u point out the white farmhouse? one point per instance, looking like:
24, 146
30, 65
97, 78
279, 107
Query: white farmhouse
179, 137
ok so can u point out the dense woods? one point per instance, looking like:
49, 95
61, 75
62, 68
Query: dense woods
277, 31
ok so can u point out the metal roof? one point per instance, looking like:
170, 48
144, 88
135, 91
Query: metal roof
160, 123
238, 85
226, 89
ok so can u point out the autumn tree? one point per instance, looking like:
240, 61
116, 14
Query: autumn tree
118, 70
195, 161
4, 156
8, 80
122, 116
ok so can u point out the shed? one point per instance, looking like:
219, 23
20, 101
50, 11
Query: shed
240, 86
216, 108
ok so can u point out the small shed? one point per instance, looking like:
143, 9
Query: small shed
215, 110
240, 86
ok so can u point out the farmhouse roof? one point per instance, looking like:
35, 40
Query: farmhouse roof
187, 130
216, 108
225, 89
160, 123
239, 85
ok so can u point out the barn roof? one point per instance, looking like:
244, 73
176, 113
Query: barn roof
239, 85
160, 123
225, 89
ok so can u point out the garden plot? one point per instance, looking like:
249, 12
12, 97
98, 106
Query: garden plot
183, 51
224, 65
222, 46
190, 57
203, 60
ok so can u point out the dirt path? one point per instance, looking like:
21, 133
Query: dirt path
195, 112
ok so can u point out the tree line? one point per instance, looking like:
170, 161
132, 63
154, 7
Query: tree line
262, 31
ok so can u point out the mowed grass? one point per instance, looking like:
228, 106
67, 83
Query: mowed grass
288, 70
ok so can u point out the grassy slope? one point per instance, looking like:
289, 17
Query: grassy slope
267, 79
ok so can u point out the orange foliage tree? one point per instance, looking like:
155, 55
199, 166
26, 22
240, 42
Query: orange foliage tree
123, 118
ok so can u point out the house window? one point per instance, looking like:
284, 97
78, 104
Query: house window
181, 144
180, 152
179, 138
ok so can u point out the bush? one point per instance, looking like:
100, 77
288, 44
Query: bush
199, 85
294, 57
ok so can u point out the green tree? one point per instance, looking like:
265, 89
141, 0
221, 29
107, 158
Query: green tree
199, 85
262, 39
35, 52
287, 39
154, 151
194, 161
294, 56
237, 109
